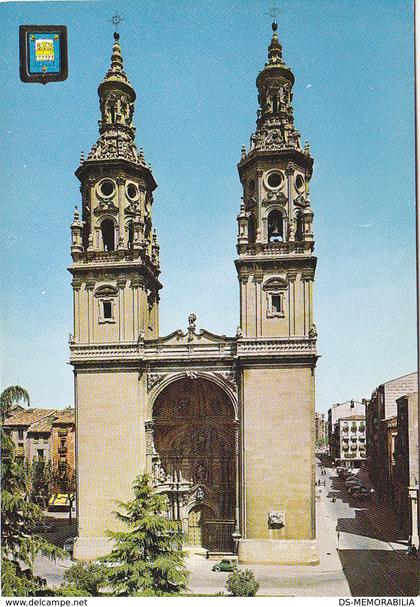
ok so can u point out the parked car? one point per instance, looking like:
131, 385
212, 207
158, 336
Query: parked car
60, 501
346, 474
355, 488
351, 482
69, 545
363, 494
226, 564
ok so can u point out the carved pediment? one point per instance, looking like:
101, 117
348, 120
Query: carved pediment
275, 283
203, 337
275, 197
106, 291
105, 206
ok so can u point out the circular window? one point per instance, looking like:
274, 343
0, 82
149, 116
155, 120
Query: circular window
299, 183
274, 180
107, 188
132, 191
251, 186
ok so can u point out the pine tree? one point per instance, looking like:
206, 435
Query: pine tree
147, 559
19, 516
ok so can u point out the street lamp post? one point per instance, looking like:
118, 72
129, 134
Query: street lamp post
236, 536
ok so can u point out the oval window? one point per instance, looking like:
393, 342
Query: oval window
274, 180
132, 191
107, 188
299, 183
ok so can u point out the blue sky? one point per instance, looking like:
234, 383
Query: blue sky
193, 65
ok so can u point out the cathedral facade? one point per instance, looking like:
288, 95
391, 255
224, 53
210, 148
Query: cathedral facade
223, 425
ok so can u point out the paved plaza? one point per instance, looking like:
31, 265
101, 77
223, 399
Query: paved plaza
360, 551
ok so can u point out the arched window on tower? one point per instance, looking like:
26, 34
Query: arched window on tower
275, 104
130, 230
299, 226
108, 235
251, 229
275, 226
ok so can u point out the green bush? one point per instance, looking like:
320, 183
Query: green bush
242, 583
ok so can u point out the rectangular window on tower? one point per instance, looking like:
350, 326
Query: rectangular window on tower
275, 304
106, 310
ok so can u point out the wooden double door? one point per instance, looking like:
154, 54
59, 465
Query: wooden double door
197, 530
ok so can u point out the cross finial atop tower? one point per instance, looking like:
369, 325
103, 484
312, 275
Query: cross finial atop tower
116, 20
274, 12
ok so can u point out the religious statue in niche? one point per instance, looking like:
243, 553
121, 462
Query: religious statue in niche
159, 473
111, 107
291, 233
201, 472
199, 494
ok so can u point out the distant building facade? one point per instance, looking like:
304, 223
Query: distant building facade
339, 439
350, 436
381, 432
321, 428
406, 456
26, 428
44, 435
63, 441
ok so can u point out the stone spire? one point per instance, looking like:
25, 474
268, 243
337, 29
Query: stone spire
275, 128
116, 127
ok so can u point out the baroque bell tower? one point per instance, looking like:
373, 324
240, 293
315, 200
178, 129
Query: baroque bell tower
277, 336
115, 254
116, 287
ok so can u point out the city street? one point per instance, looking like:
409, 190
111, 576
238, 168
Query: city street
358, 545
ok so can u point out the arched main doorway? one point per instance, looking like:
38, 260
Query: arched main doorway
193, 460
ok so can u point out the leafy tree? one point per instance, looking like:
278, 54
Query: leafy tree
64, 481
242, 583
148, 558
13, 395
41, 482
86, 579
19, 516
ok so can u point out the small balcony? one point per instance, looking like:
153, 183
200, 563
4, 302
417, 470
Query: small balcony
62, 432
62, 450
